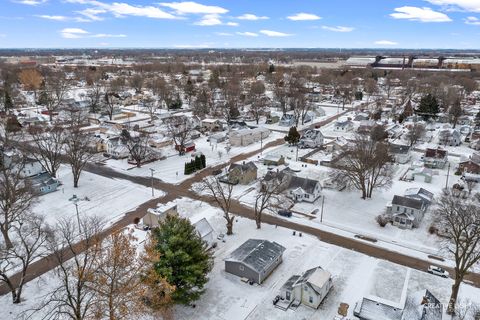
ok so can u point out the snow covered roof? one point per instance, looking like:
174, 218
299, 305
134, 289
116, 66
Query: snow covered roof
257, 254
203, 227
374, 310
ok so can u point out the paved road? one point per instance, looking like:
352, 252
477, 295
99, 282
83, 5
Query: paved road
183, 190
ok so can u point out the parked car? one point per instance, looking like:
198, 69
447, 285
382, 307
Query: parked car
285, 213
438, 271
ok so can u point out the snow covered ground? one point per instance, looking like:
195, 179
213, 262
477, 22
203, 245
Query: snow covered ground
107, 198
355, 276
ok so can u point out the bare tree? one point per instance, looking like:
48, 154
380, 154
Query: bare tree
150, 105
137, 145
415, 133
366, 164
221, 194
55, 89
460, 221
258, 100
16, 197
455, 111
94, 96
179, 130
136, 82
77, 146
46, 146
111, 98
75, 249
268, 196
30, 239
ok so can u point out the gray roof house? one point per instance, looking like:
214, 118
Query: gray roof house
312, 138
43, 183
296, 188
255, 259
401, 153
421, 305
205, 231
407, 212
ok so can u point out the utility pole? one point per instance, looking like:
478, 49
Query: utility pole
74, 199
152, 171
448, 174
321, 213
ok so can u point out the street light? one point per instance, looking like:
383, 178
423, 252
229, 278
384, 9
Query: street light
152, 171
74, 199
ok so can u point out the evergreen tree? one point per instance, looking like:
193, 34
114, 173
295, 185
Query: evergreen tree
271, 68
358, 95
198, 163
184, 260
293, 136
204, 161
8, 101
428, 107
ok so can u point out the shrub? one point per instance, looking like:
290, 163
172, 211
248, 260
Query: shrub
382, 220
432, 229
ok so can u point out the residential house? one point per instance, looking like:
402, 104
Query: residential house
343, 125
407, 211
187, 147
255, 259
296, 188
310, 289
155, 216
449, 137
287, 120
475, 144
243, 173
217, 137
401, 153
422, 175
31, 167
205, 231
211, 124
421, 305
469, 166
273, 160
245, 137
336, 145
312, 138
115, 149
435, 158
43, 183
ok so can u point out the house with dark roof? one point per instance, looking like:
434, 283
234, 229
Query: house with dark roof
309, 289
407, 211
435, 158
401, 153
255, 259
297, 188
242, 173
421, 305
312, 138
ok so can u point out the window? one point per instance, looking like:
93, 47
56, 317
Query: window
310, 299
305, 288
241, 268
398, 208
412, 210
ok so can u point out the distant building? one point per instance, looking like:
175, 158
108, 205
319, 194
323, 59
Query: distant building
435, 158
312, 138
155, 216
245, 137
205, 231
244, 173
255, 259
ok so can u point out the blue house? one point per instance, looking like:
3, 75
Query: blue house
43, 183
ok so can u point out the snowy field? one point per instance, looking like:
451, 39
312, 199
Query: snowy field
355, 276
171, 169
107, 198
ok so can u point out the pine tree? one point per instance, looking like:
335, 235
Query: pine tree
293, 136
204, 161
185, 259
8, 101
428, 107
198, 163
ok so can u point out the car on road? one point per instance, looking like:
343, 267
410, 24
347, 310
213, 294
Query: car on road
438, 271
285, 213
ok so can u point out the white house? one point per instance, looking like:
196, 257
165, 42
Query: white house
312, 138
205, 231
245, 137
303, 189
343, 126
309, 289
156, 215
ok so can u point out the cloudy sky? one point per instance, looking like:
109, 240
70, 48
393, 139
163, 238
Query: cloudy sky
240, 23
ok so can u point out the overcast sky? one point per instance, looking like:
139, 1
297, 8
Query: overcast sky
240, 23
